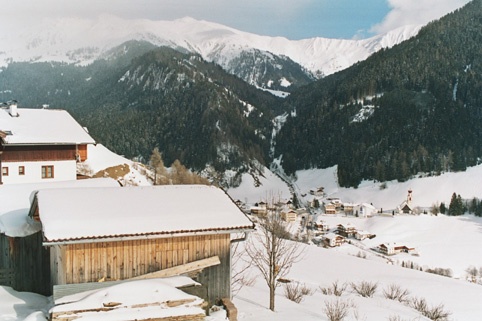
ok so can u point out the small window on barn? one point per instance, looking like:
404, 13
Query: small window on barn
21, 170
48, 171
4, 171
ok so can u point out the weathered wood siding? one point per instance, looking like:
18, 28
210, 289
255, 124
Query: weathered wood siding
91, 262
38, 153
29, 262
82, 151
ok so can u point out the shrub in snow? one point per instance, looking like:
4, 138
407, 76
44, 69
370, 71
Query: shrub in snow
440, 271
395, 292
337, 310
296, 292
335, 289
364, 288
361, 255
435, 313
472, 273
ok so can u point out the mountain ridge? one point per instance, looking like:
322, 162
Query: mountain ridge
81, 41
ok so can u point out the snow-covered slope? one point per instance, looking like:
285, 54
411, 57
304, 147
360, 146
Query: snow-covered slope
426, 191
82, 41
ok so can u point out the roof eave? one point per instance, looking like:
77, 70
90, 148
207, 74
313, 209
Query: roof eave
147, 236
50, 143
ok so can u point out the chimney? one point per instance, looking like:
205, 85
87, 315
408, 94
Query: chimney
13, 109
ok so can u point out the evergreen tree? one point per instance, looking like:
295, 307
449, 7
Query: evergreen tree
456, 206
473, 205
443, 209
478, 210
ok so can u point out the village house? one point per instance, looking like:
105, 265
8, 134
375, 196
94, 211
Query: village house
332, 240
394, 248
348, 208
289, 204
130, 232
330, 208
361, 235
320, 191
289, 216
39, 145
321, 225
366, 210
260, 209
346, 230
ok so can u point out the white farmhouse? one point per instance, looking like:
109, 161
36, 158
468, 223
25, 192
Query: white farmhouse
40, 145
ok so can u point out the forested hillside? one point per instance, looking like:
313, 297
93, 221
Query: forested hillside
156, 97
414, 108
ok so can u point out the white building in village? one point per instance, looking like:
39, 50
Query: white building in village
40, 145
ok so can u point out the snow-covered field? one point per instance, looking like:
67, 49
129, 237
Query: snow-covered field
321, 267
441, 242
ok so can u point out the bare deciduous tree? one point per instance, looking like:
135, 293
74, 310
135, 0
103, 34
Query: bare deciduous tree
272, 252
158, 168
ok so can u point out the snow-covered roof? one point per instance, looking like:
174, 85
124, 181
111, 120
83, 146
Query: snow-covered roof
42, 126
15, 202
148, 211
331, 236
347, 225
370, 206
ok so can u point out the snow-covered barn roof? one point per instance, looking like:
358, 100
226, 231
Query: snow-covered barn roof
70, 215
15, 202
42, 126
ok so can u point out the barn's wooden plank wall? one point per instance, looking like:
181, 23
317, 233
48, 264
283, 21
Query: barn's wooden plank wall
28, 260
93, 262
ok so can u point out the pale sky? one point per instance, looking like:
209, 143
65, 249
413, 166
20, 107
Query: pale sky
294, 19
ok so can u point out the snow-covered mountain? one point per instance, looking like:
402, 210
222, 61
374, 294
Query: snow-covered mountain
82, 41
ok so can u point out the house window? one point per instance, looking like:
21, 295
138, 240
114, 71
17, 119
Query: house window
4, 171
21, 170
48, 171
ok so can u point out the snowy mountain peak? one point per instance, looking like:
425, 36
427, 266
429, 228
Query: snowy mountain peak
81, 41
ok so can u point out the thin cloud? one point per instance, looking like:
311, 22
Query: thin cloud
415, 12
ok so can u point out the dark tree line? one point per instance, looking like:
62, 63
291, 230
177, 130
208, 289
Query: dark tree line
459, 206
427, 100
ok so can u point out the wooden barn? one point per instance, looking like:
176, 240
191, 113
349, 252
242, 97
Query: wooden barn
102, 234
24, 261
40, 145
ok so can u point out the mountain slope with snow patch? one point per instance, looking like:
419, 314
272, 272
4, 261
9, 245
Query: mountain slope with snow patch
81, 41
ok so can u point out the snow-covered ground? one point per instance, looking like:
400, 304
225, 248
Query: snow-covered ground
426, 191
321, 267
440, 241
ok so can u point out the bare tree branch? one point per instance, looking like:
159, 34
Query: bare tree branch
272, 252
